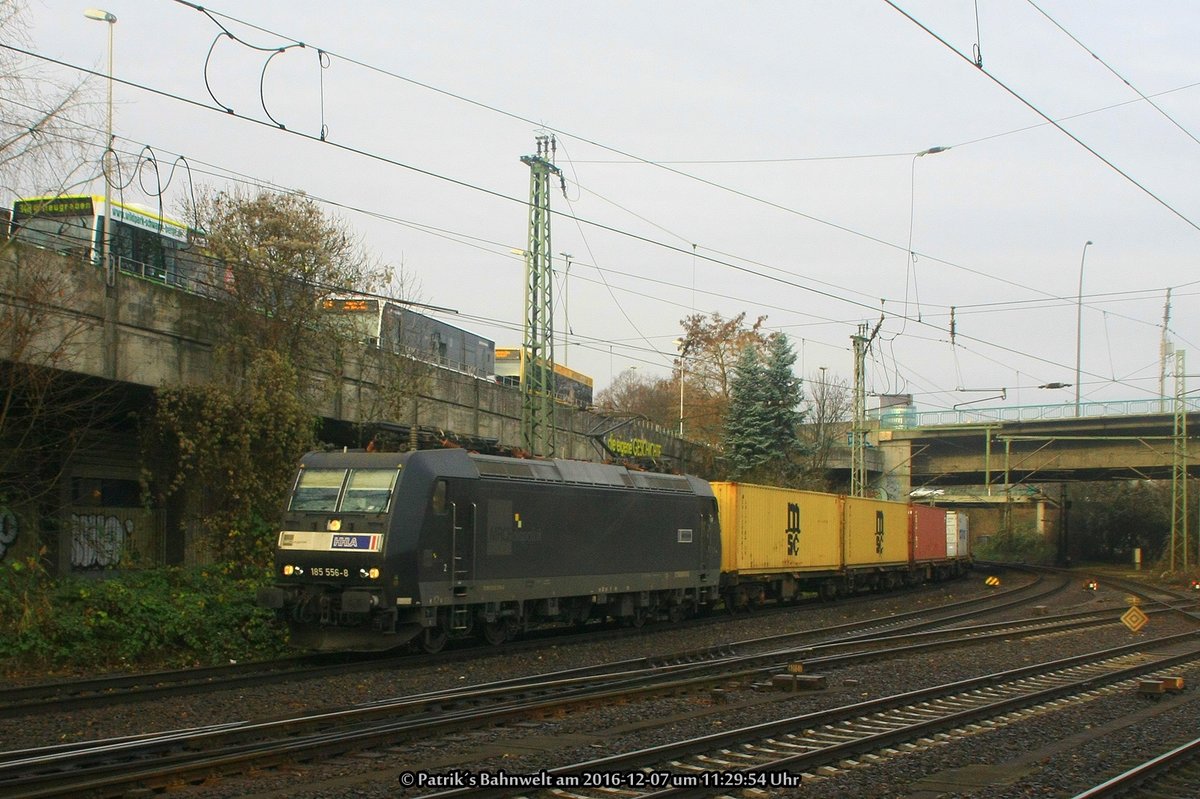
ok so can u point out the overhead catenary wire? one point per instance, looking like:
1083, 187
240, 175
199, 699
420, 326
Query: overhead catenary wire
1118, 75
210, 13
458, 237
1015, 94
496, 194
438, 176
593, 344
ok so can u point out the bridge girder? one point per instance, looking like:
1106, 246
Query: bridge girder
1061, 450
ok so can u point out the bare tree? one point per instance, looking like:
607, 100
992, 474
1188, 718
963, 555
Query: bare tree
827, 416
48, 411
46, 126
282, 257
653, 398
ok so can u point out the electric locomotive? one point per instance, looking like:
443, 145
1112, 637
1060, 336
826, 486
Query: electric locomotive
381, 549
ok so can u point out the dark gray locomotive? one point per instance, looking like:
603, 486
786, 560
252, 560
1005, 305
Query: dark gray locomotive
379, 549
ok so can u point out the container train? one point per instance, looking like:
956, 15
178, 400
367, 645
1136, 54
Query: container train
379, 549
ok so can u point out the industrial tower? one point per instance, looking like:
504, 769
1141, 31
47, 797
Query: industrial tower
537, 354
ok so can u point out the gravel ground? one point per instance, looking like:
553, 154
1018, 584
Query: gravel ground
1008, 761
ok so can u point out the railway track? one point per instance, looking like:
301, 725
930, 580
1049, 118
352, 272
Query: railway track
782, 753
122, 689
107, 767
1173, 774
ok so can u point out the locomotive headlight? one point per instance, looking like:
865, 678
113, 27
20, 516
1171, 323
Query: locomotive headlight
288, 570
374, 574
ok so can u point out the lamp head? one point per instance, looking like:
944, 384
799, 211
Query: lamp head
100, 15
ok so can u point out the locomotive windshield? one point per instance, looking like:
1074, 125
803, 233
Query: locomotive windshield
369, 490
344, 490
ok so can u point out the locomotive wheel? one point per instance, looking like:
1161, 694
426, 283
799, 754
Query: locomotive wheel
638, 620
433, 640
495, 632
675, 613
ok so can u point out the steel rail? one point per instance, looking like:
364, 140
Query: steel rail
719, 753
1147, 772
431, 714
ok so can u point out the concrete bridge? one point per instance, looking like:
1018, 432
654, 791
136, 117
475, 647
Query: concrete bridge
143, 334
1114, 440
1012, 467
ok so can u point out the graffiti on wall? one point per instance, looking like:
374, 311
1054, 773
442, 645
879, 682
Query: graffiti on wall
9, 528
635, 448
98, 540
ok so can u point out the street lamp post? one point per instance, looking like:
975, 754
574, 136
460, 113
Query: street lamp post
1079, 326
912, 214
681, 344
101, 15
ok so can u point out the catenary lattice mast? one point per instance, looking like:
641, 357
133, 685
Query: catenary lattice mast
537, 354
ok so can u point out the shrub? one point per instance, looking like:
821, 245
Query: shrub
167, 617
1016, 546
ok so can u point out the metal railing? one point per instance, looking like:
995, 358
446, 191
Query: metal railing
893, 419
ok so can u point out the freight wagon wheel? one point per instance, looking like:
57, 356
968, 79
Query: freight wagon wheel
675, 614
496, 632
433, 640
639, 618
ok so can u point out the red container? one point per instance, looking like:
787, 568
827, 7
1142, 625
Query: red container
927, 530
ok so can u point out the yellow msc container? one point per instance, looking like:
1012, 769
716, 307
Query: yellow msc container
876, 532
767, 530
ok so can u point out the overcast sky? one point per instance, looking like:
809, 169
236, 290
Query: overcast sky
729, 157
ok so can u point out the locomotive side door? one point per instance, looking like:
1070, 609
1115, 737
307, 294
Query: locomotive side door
463, 530
708, 530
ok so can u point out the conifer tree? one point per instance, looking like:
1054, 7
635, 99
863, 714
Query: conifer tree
782, 395
760, 430
748, 423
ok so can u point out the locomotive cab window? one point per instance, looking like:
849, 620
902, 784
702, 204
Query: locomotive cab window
369, 490
318, 489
